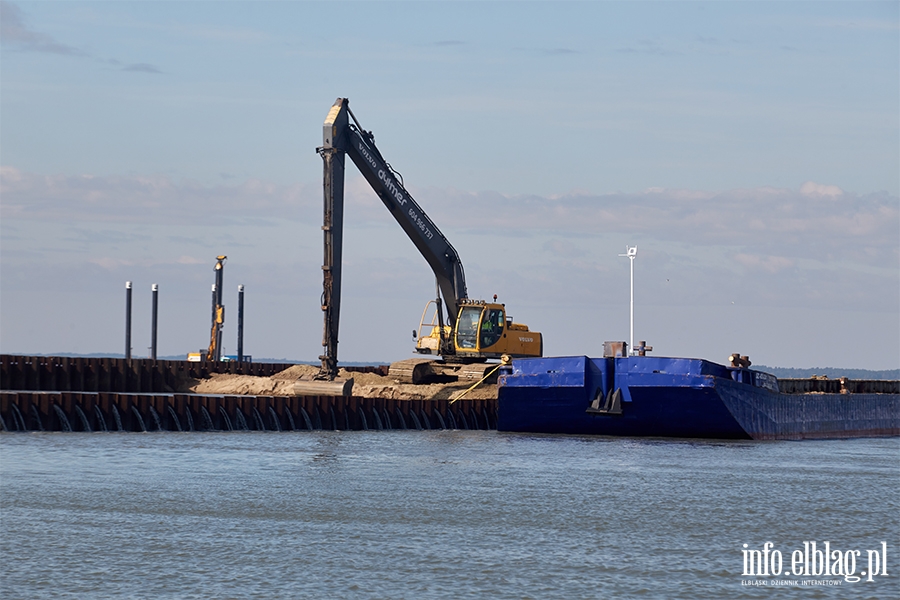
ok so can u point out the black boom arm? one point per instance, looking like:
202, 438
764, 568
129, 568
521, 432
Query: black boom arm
341, 137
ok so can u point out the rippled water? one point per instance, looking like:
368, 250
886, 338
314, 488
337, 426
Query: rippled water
435, 514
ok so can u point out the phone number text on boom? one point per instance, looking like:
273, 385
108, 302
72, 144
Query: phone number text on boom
415, 218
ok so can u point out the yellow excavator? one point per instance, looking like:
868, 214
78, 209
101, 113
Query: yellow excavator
481, 331
470, 332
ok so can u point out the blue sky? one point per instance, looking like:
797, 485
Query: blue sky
750, 150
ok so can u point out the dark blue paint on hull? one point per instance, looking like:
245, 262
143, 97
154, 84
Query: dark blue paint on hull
668, 397
767, 415
653, 412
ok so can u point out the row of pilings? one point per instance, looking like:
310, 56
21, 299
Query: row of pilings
109, 411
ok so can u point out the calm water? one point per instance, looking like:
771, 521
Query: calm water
475, 514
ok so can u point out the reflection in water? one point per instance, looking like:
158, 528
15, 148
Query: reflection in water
327, 448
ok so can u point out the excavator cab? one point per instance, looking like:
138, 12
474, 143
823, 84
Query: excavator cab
479, 327
483, 330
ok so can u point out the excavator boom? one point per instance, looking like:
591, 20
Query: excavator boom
475, 331
340, 138
437, 250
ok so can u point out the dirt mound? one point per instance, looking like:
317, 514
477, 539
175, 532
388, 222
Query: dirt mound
225, 383
364, 378
296, 372
365, 385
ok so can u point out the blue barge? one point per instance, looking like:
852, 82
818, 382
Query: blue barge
684, 397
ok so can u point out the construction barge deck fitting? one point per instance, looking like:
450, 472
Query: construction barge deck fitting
102, 394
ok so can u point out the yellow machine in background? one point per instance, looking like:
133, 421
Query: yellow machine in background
214, 352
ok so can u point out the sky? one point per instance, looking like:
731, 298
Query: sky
750, 150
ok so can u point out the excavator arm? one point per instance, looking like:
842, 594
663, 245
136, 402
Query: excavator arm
437, 250
340, 138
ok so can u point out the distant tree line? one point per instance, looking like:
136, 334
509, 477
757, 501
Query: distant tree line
780, 372
830, 372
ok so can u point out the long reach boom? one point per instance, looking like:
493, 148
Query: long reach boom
341, 137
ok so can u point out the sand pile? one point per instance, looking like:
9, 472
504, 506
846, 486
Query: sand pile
365, 385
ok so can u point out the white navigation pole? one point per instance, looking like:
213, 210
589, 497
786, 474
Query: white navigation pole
631, 253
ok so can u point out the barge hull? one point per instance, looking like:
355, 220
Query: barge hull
677, 397
766, 415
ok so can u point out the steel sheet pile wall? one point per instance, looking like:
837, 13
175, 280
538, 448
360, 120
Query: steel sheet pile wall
54, 373
109, 411
103, 394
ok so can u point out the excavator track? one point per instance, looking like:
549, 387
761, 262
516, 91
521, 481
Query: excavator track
475, 371
420, 371
413, 370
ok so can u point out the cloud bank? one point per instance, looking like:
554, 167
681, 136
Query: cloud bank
150, 199
774, 227
813, 250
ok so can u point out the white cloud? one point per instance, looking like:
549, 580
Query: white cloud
14, 33
109, 263
112, 263
147, 199
810, 188
763, 221
861, 24
772, 264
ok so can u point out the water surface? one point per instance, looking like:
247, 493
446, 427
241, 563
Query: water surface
402, 514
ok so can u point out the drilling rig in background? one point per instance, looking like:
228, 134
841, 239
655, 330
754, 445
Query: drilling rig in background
214, 352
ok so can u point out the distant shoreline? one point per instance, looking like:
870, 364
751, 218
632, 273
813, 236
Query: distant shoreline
780, 372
